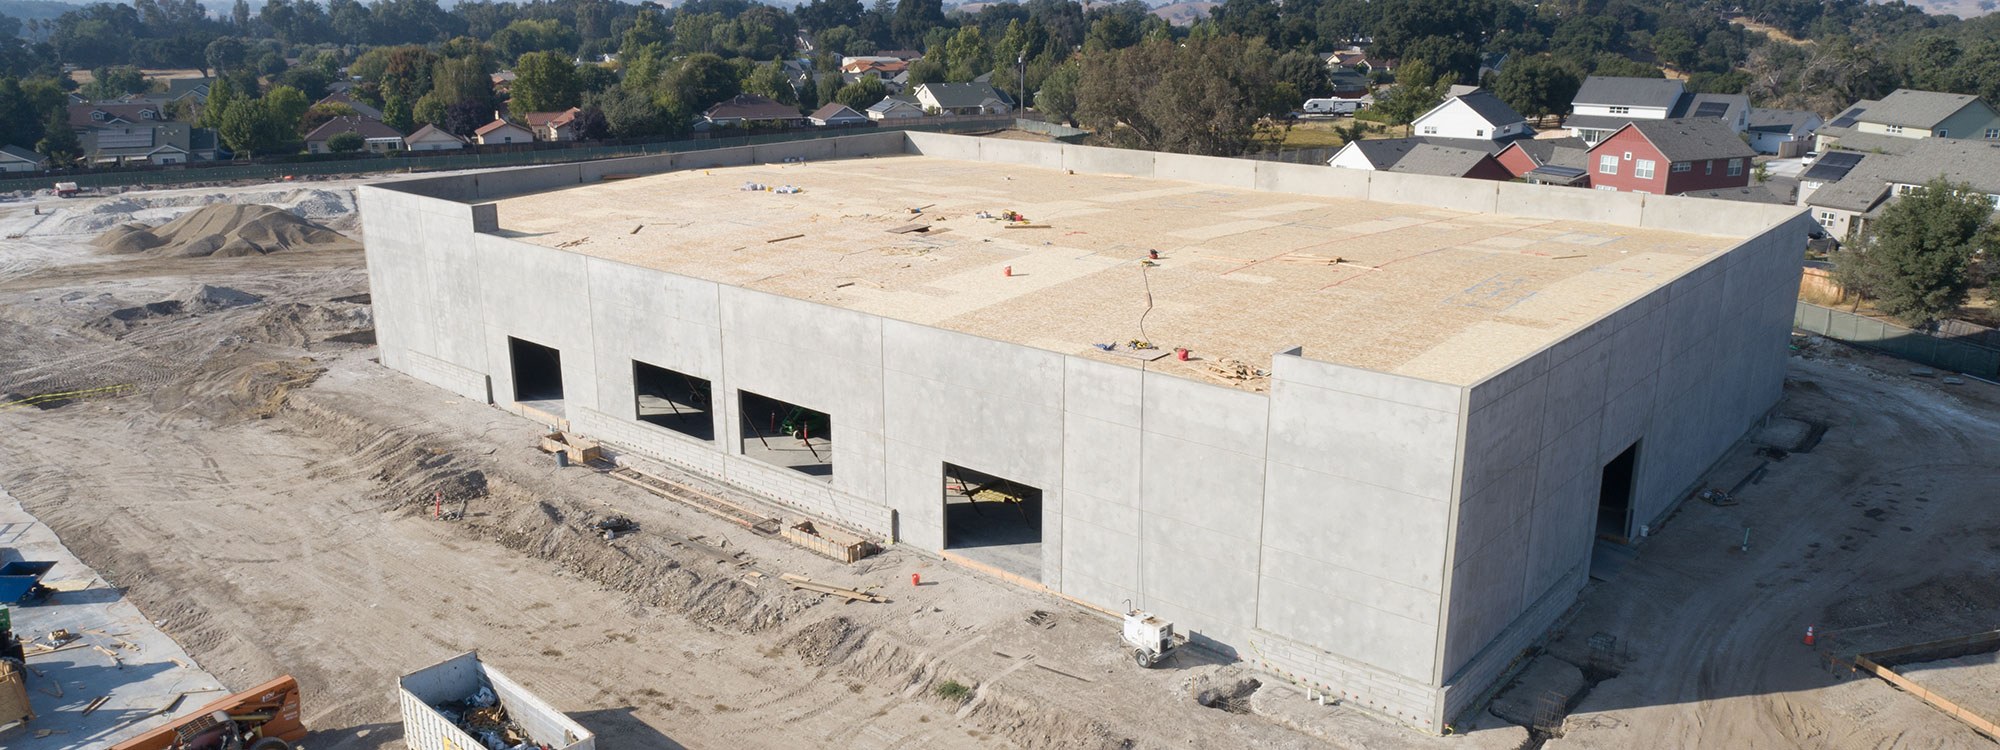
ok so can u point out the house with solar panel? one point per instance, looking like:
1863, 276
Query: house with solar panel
1848, 189
1905, 115
1604, 104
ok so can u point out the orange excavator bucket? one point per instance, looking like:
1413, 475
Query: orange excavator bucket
277, 701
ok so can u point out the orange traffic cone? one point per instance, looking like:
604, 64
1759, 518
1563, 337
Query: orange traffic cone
1809, 635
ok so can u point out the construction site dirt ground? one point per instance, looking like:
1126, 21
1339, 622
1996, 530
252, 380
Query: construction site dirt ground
251, 478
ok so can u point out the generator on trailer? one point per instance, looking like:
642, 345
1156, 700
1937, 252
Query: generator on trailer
1150, 637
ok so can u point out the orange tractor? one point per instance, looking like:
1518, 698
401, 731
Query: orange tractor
265, 717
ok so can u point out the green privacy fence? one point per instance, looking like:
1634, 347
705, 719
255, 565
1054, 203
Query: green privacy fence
405, 161
1916, 346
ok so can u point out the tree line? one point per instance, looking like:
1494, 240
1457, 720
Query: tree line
1114, 67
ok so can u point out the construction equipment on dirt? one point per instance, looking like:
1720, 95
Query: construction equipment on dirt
461, 703
21, 581
265, 717
1150, 637
13, 674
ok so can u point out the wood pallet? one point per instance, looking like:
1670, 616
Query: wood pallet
716, 506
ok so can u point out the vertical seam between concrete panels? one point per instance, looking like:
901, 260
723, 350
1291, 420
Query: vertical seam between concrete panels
1451, 535
1062, 468
1140, 583
722, 376
1263, 508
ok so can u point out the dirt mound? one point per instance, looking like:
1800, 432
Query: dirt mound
223, 229
822, 641
202, 299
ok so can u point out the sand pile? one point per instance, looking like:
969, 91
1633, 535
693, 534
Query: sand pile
223, 229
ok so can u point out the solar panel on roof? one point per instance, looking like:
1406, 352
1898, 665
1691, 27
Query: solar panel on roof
1833, 166
1848, 120
1711, 109
139, 139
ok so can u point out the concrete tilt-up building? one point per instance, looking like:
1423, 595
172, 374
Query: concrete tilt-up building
1410, 405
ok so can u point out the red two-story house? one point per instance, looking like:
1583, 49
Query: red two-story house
1669, 157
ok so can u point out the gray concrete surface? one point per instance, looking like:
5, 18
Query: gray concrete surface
1385, 539
136, 684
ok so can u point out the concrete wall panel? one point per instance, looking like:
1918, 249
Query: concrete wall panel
1552, 202
1210, 170
1025, 153
1480, 196
941, 146
1096, 160
505, 182
1312, 179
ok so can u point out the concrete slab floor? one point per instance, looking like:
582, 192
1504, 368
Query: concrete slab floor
813, 459
138, 683
1006, 536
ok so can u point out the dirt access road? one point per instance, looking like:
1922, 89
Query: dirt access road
1884, 534
255, 481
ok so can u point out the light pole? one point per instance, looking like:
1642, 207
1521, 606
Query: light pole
1021, 81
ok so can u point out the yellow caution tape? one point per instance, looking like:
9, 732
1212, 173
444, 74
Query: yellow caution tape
32, 400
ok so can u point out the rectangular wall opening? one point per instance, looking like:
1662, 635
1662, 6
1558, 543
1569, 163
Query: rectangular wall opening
993, 521
1614, 496
674, 400
537, 374
786, 434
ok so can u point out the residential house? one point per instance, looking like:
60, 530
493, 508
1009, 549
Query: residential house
109, 114
1830, 167
1475, 114
375, 136
1383, 153
1784, 132
503, 82
1346, 59
836, 114
743, 108
1873, 182
906, 55
1912, 114
895, 84
346, 96
159, 143
1348, 84
962, 99
193, 90
432, 138
1774, 193
17, 159
1606, 103
553, 126
1450, 161
500, 131
1529, 154
1670, 157
879, 66
896, 107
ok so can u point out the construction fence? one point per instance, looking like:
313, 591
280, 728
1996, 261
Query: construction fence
431, 161
1916, 346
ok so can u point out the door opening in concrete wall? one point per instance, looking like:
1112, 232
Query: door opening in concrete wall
786, 434
674, 400
537, 372
993, 521
1614, 496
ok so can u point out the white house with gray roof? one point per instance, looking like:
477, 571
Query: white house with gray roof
1474, 114
961, 99
17, 159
